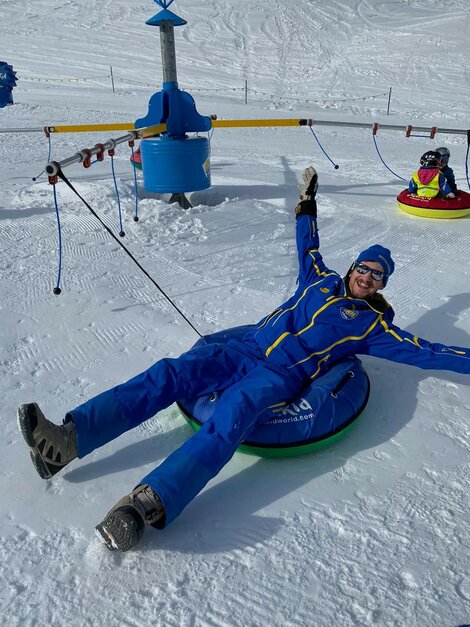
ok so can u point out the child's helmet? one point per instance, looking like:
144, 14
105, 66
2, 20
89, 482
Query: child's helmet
432, 158
445, 154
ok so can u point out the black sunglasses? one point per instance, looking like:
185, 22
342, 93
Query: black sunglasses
362, 268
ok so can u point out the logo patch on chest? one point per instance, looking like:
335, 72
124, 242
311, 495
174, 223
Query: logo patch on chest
348, 314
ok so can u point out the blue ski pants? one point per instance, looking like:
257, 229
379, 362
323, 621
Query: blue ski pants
251, 386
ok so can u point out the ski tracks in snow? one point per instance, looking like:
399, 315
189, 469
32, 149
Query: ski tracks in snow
370, 532
335, 558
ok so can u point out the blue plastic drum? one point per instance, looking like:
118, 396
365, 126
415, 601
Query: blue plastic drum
176, 165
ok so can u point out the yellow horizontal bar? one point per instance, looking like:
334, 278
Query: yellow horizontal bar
91, 128
84, 128
148, 131
161, 128
280, 122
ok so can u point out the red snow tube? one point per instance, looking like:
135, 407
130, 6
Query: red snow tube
136, 159
434, 207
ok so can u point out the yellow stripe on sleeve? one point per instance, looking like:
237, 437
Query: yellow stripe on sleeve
391, 331
312, 252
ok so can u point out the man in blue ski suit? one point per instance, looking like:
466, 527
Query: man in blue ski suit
327, 318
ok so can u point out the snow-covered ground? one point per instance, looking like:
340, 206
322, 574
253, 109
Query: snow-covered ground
372, 531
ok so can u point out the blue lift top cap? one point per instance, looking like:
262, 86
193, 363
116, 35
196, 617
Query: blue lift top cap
165, 16
163, 3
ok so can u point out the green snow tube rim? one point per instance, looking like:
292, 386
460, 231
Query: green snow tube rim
288, 450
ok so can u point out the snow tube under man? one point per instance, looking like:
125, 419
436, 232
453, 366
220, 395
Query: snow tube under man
434, 207
323, 412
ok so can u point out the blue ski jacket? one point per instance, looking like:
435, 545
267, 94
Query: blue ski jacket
450, 176
320, 324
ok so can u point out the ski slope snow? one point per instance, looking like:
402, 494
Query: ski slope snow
372, 531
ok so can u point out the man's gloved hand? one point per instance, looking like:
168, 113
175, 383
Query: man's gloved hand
308, 189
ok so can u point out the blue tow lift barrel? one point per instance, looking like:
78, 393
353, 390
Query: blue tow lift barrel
176, 165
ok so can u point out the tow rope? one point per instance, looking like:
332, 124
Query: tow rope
62, 176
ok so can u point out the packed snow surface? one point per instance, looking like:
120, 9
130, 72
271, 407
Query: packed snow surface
372, 531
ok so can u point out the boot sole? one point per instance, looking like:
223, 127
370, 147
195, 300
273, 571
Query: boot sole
39, 464
106, 537
25, 426
120, 530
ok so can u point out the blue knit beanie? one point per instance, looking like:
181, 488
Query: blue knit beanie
381, 255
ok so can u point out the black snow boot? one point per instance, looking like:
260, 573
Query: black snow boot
124, 525
51, 446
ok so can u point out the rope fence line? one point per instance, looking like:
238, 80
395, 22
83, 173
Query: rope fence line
65, 79
318, 100
245, 89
